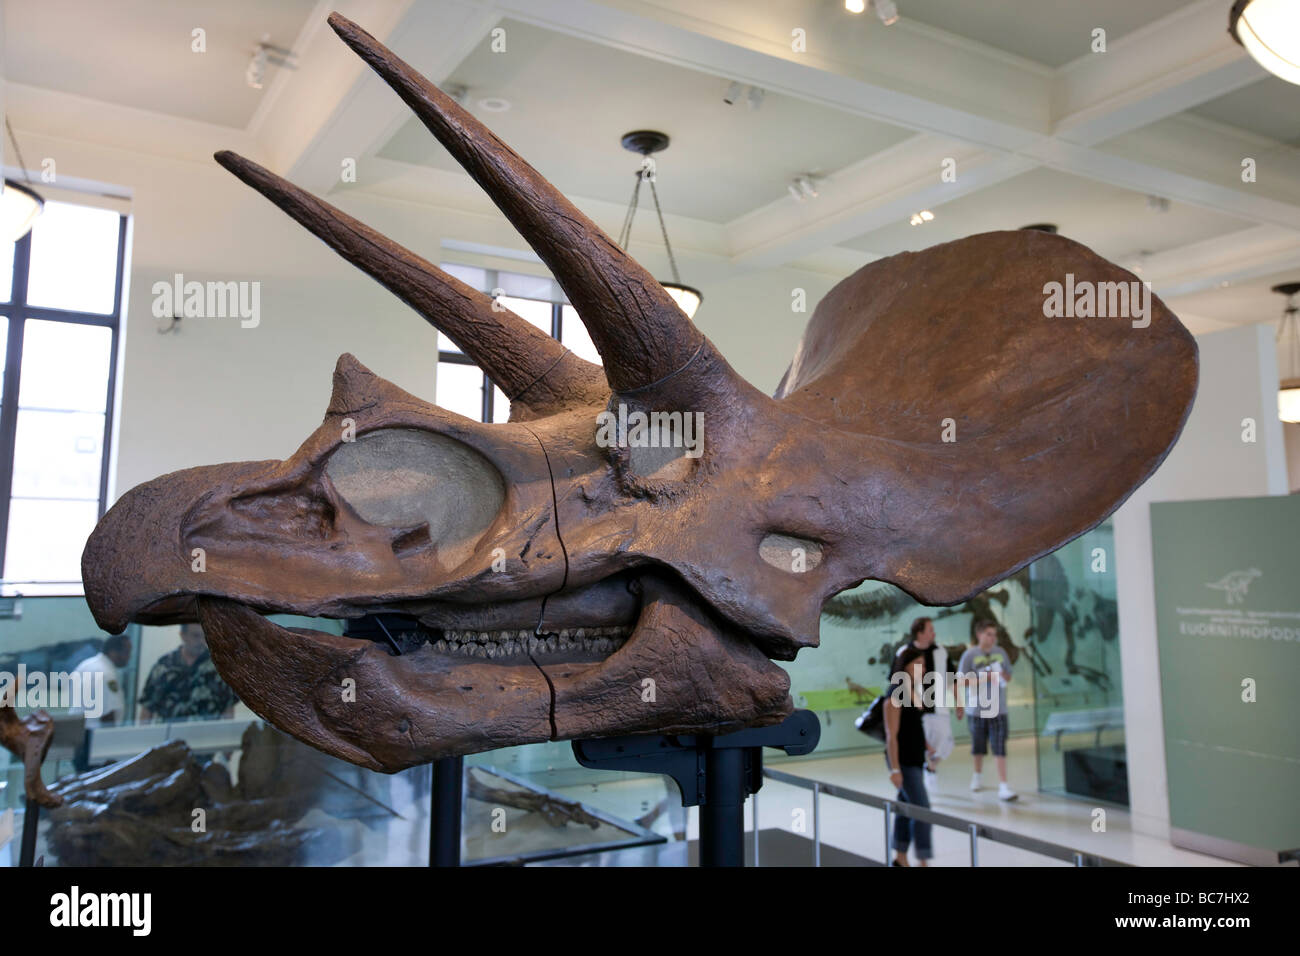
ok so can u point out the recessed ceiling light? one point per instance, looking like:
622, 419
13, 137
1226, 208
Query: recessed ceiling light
494, 104
855, 6
919, 217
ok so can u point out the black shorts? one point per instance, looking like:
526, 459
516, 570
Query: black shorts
986, 731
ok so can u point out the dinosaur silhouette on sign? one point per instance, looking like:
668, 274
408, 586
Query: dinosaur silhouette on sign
1236, 584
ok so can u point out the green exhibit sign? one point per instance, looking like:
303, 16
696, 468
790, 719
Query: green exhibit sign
1228, 619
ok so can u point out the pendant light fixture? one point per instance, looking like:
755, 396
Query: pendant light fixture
1288, 393
19, 203
647, 142
1270, 32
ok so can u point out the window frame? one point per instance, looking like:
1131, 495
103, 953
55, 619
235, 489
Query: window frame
493, 281
18, 312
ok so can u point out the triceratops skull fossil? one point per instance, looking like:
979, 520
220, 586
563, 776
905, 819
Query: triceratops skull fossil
560, 586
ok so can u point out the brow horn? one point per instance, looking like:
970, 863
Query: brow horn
533, 369
641, 333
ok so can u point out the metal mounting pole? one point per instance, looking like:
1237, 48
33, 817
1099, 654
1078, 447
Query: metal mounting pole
888, 808
445, 810
722, 815
31, 819
817, 823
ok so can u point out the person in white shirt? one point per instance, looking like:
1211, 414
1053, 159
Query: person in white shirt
115, 654
989, 725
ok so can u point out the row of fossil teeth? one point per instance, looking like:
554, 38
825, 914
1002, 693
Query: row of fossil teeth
490, 644
499, 637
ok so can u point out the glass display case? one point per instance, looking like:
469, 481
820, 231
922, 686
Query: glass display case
219, 787
182, 779
1078, 691
1058, 622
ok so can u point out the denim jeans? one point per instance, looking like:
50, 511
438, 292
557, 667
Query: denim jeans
905, 828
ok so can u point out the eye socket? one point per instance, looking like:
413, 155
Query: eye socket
789, 553
661, 464
405, 477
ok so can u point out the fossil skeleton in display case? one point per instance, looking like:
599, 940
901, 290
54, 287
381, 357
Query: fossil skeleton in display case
936, 429
29, 740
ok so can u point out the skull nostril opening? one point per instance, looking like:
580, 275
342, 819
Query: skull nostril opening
295, 514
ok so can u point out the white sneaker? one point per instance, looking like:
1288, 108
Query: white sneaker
975, 784
1006, 793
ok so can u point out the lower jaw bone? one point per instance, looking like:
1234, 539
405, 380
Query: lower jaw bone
354, 700
681, 671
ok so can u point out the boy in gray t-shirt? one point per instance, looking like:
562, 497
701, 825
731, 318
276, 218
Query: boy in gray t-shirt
987, 718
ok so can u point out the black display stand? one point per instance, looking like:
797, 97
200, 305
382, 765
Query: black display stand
717, 774
444, 813
31, 819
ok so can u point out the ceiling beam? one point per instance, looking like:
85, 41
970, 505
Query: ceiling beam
1159, 181
906, 75
1171, 65
1212, 263
299, 103
1162, 69
367, 113
885, 188
996, 115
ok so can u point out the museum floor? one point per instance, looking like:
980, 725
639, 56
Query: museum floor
858, 829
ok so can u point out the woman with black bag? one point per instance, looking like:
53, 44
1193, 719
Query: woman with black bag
905, 753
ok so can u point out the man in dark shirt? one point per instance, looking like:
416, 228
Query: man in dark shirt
934, 713
185, 684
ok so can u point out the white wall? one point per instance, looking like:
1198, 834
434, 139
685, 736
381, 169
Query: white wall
1238, 381
750, 319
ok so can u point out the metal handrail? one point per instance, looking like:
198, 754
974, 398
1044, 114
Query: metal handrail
976, 830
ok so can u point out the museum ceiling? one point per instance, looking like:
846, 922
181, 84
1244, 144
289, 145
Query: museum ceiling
1136, 150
